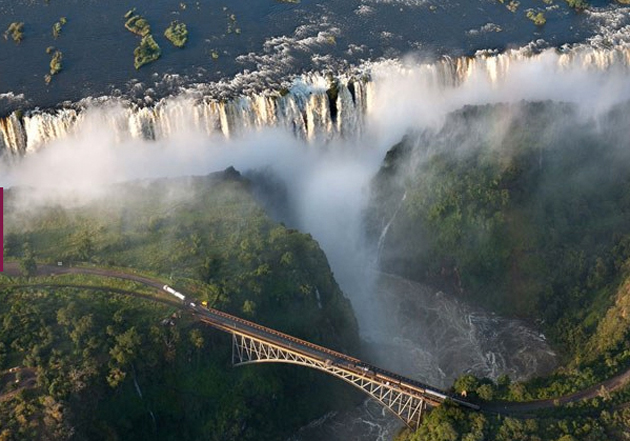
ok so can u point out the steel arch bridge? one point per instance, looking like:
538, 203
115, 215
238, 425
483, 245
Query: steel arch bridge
252, 343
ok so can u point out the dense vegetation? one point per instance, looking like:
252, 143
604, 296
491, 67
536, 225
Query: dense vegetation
55, 62
138, 25
526, 210
146, 52
177, 33
449, 423
538, 18
110, 366
578, 5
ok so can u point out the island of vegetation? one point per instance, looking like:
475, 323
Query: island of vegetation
146, 52
512, 5
537, 17
578, 5
55, 62
138, 25
15, 31
88, 357
524, 209
177, 33
56, 29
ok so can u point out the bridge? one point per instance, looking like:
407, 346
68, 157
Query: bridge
252, 343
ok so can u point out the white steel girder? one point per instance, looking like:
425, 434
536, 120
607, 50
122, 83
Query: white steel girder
407, 405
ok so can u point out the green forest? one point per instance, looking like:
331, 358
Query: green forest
106, 364
525, 210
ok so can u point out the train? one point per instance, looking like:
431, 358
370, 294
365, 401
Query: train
395, 380
179, 295
337, 358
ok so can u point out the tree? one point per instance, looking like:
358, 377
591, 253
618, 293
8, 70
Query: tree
83, 245
197, 339
126, 347
466, 383
249, 308
28, 265
485, 392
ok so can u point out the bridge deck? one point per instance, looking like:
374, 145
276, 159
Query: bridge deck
233, 324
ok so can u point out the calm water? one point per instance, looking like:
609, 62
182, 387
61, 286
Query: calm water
276, 40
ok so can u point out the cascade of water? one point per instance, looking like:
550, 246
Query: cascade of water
12, 135
41, 128
307, 109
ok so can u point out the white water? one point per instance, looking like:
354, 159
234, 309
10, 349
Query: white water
396, 92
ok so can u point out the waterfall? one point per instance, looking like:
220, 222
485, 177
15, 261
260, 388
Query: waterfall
315, 107
12, 135
306, 112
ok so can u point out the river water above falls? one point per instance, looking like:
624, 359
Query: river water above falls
251, 46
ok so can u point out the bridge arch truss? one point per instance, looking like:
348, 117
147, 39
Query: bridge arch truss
407, 405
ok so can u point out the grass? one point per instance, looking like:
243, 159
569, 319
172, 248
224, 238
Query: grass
177, 33
147, 52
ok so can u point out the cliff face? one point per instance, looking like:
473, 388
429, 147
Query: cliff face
525, 209
522, 208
